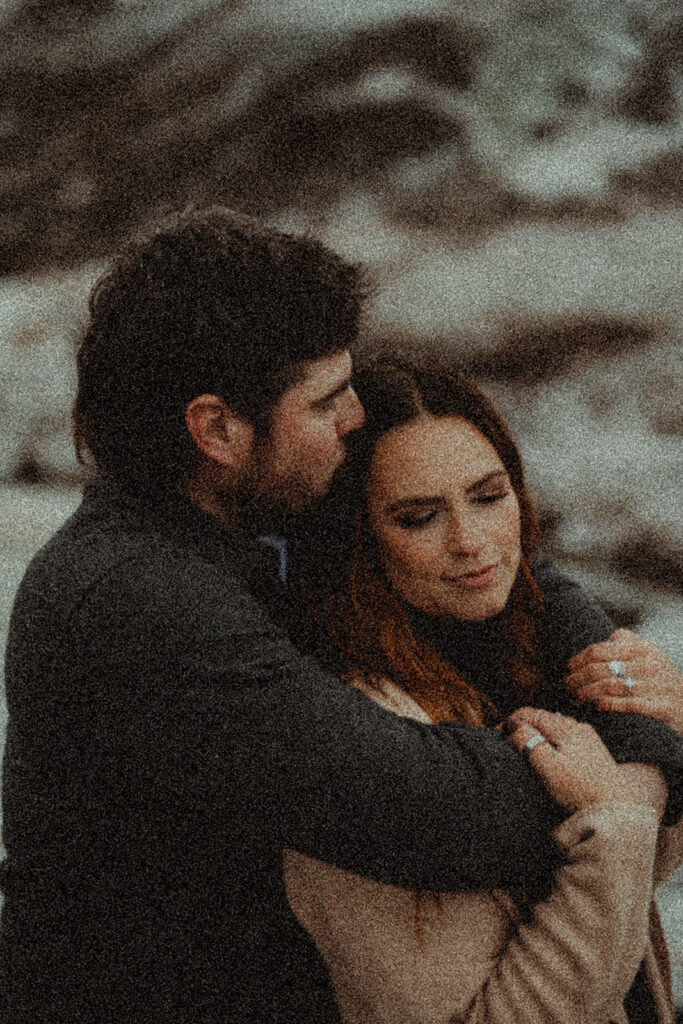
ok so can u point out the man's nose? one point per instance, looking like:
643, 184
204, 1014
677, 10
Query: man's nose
352, 416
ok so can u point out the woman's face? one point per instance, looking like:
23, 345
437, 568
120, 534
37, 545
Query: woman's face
445, 518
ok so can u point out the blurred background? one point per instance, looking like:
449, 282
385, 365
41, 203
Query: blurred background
510, 172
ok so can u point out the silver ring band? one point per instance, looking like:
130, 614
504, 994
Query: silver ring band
533, 742
617, 668
629, 683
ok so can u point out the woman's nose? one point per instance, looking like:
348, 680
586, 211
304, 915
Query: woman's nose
464, 537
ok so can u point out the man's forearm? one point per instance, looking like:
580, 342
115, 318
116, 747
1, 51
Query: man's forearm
448, 807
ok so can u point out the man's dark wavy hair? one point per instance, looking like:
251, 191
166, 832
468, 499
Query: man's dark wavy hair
211, 302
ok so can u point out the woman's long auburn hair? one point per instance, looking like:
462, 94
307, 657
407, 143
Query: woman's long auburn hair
366, 620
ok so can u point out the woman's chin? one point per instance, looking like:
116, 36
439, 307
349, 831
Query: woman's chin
467, 607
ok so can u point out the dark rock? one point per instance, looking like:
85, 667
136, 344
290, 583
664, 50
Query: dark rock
531, 352
650, 557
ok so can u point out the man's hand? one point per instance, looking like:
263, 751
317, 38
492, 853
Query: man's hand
647, 683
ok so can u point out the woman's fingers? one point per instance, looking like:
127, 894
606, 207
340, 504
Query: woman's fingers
627, 673
528, 740
621, 646
525, 714
634, 705
624, 653
568, 756
626, 688
555, 727
612, 673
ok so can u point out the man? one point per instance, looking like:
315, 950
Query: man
165, 738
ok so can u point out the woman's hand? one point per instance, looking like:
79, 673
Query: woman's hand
574, 764
653, 686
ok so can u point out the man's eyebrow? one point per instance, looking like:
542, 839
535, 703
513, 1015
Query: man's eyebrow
339, 390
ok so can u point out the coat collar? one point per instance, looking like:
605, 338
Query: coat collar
169, 515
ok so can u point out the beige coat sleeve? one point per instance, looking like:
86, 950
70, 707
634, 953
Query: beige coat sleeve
396, 958
576, 960
669, 852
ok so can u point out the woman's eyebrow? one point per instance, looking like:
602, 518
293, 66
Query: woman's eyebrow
403, 503
421, 502
497, 474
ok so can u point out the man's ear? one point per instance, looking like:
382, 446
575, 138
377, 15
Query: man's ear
218, 432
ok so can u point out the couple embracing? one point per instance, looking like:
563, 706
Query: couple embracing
301, 729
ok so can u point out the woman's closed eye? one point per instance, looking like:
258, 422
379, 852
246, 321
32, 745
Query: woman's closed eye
414, 522
491, 497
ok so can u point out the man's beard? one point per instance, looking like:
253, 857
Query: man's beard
262, 505
259, 513
279, 509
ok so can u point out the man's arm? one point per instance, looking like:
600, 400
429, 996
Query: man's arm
230, 715
576, 634
417, 806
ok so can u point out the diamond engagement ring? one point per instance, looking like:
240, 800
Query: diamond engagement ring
533, 742
629, 683
617, 668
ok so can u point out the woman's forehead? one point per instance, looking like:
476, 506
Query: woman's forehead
431, 450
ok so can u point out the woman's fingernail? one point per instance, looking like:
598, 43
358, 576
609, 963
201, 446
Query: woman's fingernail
510, 725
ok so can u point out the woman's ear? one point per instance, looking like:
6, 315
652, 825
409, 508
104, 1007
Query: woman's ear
218, 432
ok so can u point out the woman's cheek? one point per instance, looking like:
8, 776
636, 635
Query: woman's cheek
516, 532
509, 529
410, 553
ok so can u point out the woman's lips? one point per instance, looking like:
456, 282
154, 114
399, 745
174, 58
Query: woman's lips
472, 580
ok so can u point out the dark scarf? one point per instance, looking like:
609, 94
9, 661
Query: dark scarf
476, 650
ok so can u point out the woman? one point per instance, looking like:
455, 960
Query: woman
438, 615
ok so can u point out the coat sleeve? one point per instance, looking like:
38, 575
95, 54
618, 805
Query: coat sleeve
669, 852
574, 622
409, 958
579, 955
195, 697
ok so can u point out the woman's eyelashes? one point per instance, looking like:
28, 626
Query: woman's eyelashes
491, 497
414, 522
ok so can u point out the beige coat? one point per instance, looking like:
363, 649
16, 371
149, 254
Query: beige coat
396, 957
